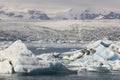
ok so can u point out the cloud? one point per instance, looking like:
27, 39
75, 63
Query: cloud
55, 5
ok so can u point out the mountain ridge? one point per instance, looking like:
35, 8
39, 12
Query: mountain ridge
71, 14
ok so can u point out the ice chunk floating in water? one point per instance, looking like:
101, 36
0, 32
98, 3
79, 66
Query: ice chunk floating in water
100, 56
17, 58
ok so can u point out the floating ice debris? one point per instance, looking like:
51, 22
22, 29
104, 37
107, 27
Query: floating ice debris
100, 56
105, 52
17, 58
49, 57
96, 67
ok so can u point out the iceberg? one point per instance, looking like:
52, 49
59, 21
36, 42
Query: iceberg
18, 59
100, 56
106, 53
5, 67
72, 55
96, 67
15, 50
105, 43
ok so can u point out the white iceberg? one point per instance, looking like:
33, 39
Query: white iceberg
17, 58
5, 67
72, 55
96, 67
15, 50
105, 52
17, 54
102, 56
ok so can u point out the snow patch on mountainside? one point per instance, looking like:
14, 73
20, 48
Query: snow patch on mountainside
24, 14
71, 14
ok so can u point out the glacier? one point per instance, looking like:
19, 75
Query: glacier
99, 56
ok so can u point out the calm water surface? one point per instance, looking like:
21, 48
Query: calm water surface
81, 76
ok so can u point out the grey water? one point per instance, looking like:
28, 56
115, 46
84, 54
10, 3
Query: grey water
81, 76
37, 50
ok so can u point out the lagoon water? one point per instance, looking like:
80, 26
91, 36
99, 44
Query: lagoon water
37, 51
81, 76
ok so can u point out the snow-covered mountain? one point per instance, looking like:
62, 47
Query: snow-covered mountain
25, 14
27, 24
71, 14
88, 14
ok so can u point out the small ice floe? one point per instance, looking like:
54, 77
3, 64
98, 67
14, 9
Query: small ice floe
96, 67
41, 48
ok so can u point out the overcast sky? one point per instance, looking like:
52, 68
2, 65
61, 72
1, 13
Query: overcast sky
59, 5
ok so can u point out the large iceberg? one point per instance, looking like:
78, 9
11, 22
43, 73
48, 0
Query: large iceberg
100, 56
17, 58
